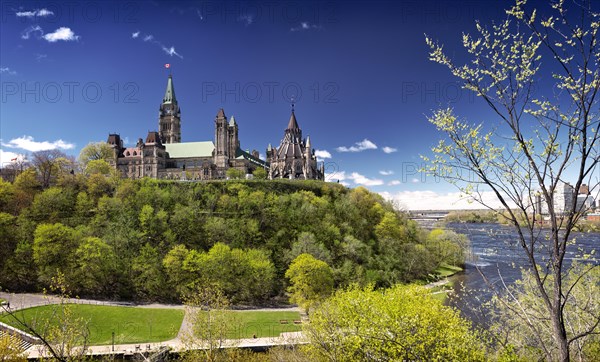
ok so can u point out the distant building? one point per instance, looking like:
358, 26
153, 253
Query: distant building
162, 154
584, 203
564, 195
294, 158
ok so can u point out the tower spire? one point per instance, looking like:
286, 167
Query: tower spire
170, 92
169, 121
293, 124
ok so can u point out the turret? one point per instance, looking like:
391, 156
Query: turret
169, 121
233, 140
221, 139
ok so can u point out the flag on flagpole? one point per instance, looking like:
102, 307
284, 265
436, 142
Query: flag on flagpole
167, 65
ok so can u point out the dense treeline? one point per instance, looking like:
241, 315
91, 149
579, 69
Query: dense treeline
153, 240
473, 216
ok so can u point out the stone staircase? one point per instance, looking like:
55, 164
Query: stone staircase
23, 341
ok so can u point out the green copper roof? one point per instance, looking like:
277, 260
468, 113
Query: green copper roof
190, 149
170, 92
241, 154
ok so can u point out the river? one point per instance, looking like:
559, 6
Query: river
496, 253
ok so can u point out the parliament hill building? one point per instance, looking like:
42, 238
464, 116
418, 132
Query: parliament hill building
162, 155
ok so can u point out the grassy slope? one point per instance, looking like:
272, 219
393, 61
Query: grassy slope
262, 324
140, 325
441, 292
131, 325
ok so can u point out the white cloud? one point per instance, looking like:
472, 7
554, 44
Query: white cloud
171, 51
29, 144
246, 18
394, 183
44, 12
386, 172
40, 57
7, 70
62, 33
32, 29
322, 154
363, 180
431, 200
6, 157
149, 38
34, 13
334, 176
358, 146
387, 149
305, 26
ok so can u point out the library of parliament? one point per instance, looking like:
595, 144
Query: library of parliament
162, 155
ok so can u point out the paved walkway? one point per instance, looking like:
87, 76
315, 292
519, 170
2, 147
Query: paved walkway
178, 346
27, 300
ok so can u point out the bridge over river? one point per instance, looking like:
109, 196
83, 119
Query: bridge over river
429, 218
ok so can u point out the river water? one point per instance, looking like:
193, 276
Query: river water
495, 253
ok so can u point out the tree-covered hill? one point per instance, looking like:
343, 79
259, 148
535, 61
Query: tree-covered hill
153, 240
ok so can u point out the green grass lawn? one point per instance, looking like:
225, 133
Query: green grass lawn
441, 292
130, 324
141, 325
446, 270
246, 324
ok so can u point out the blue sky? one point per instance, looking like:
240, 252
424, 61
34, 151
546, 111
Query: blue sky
73, 72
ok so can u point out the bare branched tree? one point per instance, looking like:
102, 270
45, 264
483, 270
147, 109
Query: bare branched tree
537, 142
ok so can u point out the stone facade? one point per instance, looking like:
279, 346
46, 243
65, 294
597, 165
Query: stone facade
294, 158
162, 155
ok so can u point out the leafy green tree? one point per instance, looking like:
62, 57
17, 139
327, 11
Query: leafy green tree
234, 174
522, 324
535, 140
390, 228
242, 275
148, 274
260, 174
98, 167
7, 194
54, 250
26, 186
186, 223
311, 281
308, 244
95, 151
18, 275
95, 267
174, 264
54, 204
8, 241
51, 165
403, 323
447, 246
209, 320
